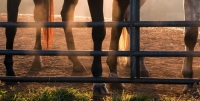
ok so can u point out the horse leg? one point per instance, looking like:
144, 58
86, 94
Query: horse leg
38, 17
12, 13
37, 61
98, 35
119, 9
67, 14
191, 34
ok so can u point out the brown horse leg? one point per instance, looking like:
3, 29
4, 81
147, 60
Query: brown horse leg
38, 17
37, 62
191, 34
98, 35
67, 14
119, 8
12, 12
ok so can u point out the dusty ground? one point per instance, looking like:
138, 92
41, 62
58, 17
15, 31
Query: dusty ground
151, 39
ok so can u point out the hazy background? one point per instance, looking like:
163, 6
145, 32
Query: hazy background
152, 10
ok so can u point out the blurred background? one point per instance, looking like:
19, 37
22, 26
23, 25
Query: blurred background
152, 10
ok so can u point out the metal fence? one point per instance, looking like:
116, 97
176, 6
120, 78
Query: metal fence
134, 52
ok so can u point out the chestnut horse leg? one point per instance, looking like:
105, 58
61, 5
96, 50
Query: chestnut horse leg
39, 16
67, 14
43, 12
119, 9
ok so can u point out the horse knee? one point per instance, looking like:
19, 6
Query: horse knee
38, 13
8, 60
191, 35
98, 34
67, 12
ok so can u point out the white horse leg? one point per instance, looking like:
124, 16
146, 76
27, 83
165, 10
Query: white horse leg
191, 34
144, 72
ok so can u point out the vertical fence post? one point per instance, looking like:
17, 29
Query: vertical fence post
137, 37
134, 38
132, 46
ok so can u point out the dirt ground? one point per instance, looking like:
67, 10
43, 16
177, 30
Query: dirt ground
162, 39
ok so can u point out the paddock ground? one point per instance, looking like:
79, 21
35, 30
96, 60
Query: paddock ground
162, 39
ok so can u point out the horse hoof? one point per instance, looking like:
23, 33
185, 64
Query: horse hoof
100, 89
11, 73
79, 70
144, 74
99, 92
7, 83
11, 83
116, 87
37, 64
191, 91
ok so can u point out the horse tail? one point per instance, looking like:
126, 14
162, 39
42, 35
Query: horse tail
124, 40
124, 45
49, 17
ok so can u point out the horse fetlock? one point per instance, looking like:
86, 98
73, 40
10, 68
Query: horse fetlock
9, 68
111, 61
100, 89
144, 73
114, 75
187, 73
79, 70
10, 73
37, 63
8, 61
96, 69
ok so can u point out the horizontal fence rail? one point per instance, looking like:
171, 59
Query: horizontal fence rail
106, 24
101, 53
100, 80
63, 24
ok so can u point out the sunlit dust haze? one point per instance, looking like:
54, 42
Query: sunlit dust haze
152, 10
